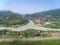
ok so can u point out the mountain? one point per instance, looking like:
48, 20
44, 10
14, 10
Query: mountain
10, 18
45, 15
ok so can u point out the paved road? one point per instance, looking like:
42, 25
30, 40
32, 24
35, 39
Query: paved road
30, 25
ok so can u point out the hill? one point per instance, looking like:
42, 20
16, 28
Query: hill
9, 18
49, 19
50, 14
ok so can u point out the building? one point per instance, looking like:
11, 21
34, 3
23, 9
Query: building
36, 21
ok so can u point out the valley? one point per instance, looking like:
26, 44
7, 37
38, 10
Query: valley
29, 27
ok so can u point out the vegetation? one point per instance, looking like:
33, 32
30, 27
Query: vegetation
31, 33
52, 16
23, 34
8, 18
54, 25
43, 42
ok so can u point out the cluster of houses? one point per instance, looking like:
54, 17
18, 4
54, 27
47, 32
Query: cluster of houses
48, 19
39, 21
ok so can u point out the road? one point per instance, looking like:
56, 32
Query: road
29, 39
30, 25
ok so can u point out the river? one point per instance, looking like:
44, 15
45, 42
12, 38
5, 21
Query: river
30, 25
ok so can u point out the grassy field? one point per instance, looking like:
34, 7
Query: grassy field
44, 42
56, 25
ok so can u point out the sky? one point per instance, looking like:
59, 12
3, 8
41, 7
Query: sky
29, 6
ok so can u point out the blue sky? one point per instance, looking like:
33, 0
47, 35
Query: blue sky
29, 6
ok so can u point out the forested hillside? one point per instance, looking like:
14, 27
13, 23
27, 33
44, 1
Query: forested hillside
10, 18
50, 14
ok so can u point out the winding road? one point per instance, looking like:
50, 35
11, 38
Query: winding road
30, 25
